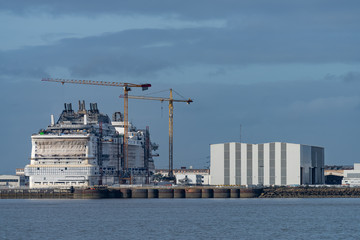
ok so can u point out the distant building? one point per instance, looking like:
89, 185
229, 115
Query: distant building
352, 177
188, 176
266, 164
24, 180
9, 181
335, 174
337, 170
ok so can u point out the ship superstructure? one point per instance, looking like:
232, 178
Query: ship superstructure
140, 161
84, 148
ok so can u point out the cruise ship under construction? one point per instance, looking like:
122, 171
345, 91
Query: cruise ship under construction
85, 148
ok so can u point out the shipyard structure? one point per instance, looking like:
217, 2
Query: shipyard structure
268, 164
85, 148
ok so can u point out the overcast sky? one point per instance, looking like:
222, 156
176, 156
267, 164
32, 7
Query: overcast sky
286, 71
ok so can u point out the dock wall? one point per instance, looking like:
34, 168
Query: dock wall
35, 193
96, 193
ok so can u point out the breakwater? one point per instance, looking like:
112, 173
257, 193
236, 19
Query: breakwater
135, 192
310, 192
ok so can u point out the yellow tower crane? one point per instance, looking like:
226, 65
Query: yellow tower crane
127, 87
171, 122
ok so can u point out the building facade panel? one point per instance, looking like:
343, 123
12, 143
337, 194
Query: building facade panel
227, 164
283, 164
266, 164
261, 164
317, 156
249, 164
237, 163
243, 163
232, 162
293, 164
255, 164
277, 163
272, 164
305, 164
217, 152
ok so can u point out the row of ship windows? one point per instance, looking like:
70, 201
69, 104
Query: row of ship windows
40, 171
58, 159
59, 183
62, 169
54, 163
56, 156
63, 173
80, 168
109, 168
53, 148
60, 151
186, 171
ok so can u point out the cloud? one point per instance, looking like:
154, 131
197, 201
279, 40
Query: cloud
328, 10
142, 51
254, 33
351, 77
321, 106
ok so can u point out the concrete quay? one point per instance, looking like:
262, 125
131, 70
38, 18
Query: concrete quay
169, 192
14, 193
133, 192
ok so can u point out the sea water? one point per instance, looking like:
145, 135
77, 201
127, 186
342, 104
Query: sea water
329, 218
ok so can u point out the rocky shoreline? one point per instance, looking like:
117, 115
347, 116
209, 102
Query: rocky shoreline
310, 192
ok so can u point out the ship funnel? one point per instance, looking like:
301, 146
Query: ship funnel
52, 120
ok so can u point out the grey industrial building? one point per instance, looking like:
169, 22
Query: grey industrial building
266, 164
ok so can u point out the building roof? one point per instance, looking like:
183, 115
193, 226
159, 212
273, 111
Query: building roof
268, 143
183, 170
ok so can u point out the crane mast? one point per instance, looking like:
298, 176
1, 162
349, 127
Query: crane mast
171, 122
127, 87
171, 135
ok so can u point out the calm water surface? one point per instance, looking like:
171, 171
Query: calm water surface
180, 219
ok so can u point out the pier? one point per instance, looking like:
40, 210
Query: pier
132, 192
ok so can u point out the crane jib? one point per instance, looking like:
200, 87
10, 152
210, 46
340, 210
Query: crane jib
101, 83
